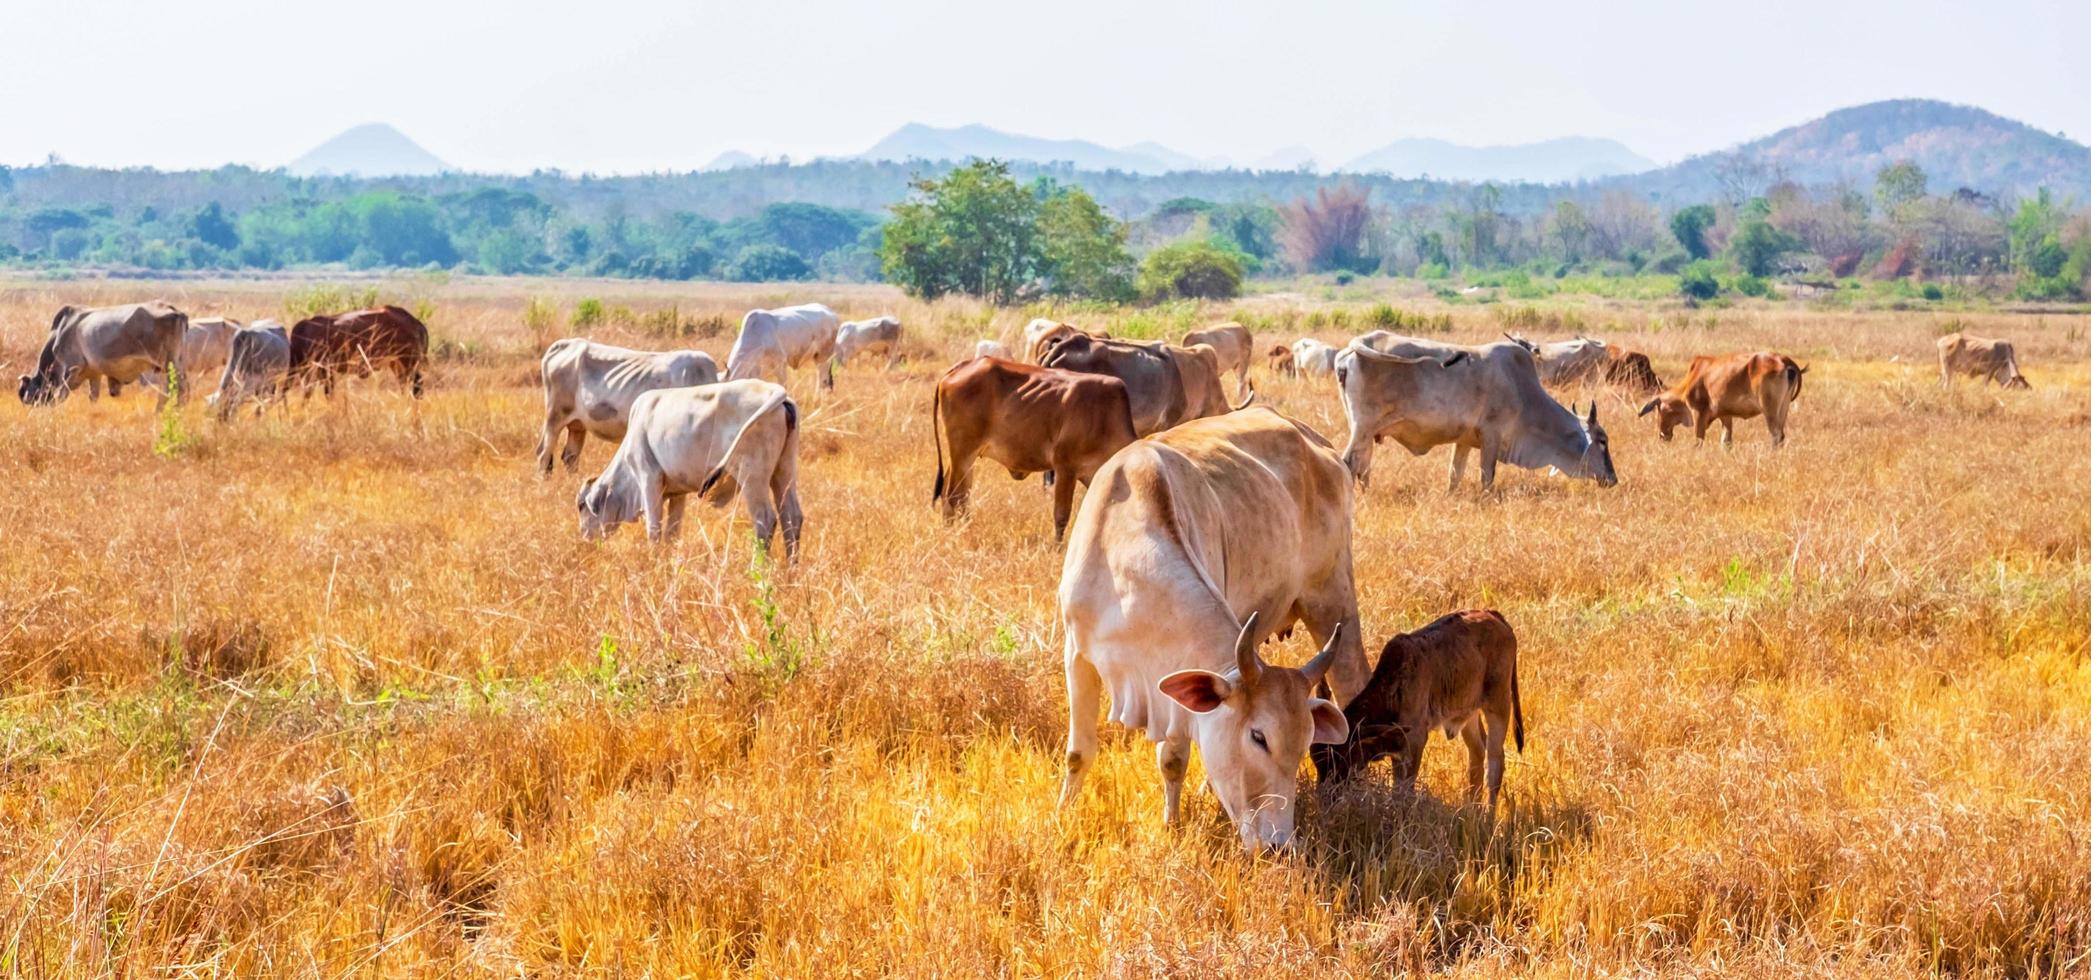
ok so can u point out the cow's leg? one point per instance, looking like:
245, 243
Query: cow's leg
1063, 500
1775, 422
1701, 421
1336, 602
1084, 692
1727, 432
958, 480
570, 457
671, 528
1498, 729
651, 507
1459, 467
1409, 761
1173, 757
827, 376
762, 510
549, 441
94, 389
1471, 734
1490, 448
784, 484
1945, 379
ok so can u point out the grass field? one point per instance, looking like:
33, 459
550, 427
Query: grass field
341, 691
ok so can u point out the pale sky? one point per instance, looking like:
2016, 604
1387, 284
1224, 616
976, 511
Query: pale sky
622, 86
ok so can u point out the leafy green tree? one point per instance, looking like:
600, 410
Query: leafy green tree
1757, 244
1698, 282
811, 230
1898, 185
767, 263
2035, 232
211, 227
1191, 269
974, 232
1690, 225
1082, 249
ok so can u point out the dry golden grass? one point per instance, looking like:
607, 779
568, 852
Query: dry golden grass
342, 691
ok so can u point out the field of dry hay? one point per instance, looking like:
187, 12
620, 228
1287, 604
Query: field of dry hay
341, 690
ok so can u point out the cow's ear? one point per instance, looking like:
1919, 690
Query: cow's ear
1199, 690
1330, 727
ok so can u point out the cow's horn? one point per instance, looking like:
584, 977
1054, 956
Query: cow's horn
1593, 411
1318, 666
1245, 658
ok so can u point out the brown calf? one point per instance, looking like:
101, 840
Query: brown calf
1280, 360
1459, 674
1723, 389
325, 346
1630, 369
1990, 360
1029, 419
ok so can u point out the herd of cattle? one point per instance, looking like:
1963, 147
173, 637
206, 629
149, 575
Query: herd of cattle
1164, 600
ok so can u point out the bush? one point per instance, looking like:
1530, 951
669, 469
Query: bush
1190, 270
587, 313
1698, 282
767, 263
1756, 286
1933, 292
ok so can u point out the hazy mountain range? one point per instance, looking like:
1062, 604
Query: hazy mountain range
369, 150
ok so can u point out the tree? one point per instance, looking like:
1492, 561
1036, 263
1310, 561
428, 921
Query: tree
1756, 245
1698, 281
1569, 230
1325, 232
974, 232
1191, 269
211, 227
1897, 186
1690, 225
1082, 249
811, 230
767, 263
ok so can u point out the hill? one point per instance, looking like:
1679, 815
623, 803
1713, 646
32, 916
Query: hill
1958, 146
369, 150
916, 141
1557, 161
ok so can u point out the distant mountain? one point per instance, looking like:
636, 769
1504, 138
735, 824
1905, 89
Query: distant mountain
1956, 145
916, 141
369, 150
731, 159
1287, 158
1557, 161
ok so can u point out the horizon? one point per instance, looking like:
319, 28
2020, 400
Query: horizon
640, 86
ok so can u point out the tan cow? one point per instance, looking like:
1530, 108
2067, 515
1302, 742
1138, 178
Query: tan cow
1233, 345
1723, 389
1458, 674
1976, 357
1190, 548
1168, 384
1279, 360
1562, 363
1630, 369
1029, 419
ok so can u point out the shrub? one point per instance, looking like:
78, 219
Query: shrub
587, 313
1933, 292
1756, 286
1698, 282
1190, 270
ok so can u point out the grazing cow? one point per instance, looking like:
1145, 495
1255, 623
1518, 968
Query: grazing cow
1458, 674
1723, 389
116, 343
258, 367
589, 388
990, 348
1232, 344
1279, 360
204, 349
879, 335
1990, 360
1041, 336
772, 342
711, 440
1487, 398
328, 346
1310, 356
1190, 548
1630, 369
1029, 419
1566, 362
1169, 385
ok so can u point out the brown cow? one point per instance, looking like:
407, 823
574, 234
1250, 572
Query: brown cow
1723, 389
1280, 360
1459, 674
1029, 419
1233, 345
1629, 369
1169, 385
325, 346
1977, 357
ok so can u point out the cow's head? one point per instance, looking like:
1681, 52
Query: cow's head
602, 509
2018, 381
1671, 412
1253, 725
1596, 462
41, 389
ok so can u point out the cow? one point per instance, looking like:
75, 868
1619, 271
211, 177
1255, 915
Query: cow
1310, 356
257, 366
1487, 398
204, 349
1039, 335
1279, 360
711, 440
1723, 389
1029, 419
1168, 384
1631, 370
880, 335
589, 389
1563, 363
1191, 547
1232, 344
1458, 674
990, 348
117, 344
1990, 360
328, 346
772, 342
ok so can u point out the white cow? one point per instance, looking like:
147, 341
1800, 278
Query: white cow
711, 440
589, 389
991, 348
205, 347
1310, 356
1190, 548
880, 335
1561, 363
773, 341
257, 366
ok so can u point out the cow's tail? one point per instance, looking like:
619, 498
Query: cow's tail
936, 435
1517, 704
1793, 380
791, 424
